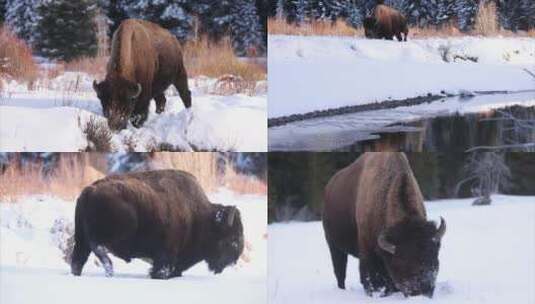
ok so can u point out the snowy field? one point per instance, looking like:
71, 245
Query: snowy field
487, 256
53, 117
317, 73
32, 269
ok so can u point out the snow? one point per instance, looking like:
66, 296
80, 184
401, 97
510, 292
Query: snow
487, 256
52, 117
309, 73
32, 268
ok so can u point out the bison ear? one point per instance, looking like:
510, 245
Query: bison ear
386, 245
226, 216
231, 216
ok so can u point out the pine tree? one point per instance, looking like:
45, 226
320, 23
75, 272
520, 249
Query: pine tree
466, 13
354, 17
116, 12
2, 11
174, 15
65, 29
214, 17
244, 28
21, 17
510, 14
527, 20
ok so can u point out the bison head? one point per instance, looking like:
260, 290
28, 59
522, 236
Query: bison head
370, 27
228, 242
118, 98
410, 252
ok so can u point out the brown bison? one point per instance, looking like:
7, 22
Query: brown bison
385, 22
161, 216
145, 60
374, 211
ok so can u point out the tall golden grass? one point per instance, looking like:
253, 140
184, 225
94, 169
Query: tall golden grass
206, 58
313, 28
486, 25
16, 58
201, 57
74, 171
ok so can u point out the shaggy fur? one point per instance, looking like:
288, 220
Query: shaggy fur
162, 216
141, 53
374, 195
386, 22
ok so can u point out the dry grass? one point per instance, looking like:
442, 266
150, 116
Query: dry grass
72, 174
202, 57
314, 28
77, 170
486, 25
486, 20
95, 66
16, 58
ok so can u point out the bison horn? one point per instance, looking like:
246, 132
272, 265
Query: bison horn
231, 216
441, 229
95, 85
386, 245
138, 91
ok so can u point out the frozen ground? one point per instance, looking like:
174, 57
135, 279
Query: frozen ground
487, 256
53, 116
32, 269
316, 73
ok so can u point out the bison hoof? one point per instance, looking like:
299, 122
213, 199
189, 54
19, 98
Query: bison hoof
159, 110
342, 285
161, 274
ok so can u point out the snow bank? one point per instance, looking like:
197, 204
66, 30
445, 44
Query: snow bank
29, 256
317, 73
58, 110
487, 256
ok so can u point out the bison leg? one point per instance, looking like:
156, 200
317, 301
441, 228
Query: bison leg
181, 84
162, 268
374, 277
339, 260
398, 36
160, 103
101, 254
139, 116
79, 255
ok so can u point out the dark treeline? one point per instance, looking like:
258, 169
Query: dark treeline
512, 14
297, 180
62, 29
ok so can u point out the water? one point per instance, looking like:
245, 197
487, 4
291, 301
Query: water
450, 124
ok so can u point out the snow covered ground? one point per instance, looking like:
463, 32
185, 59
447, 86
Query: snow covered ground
32, 269
487, 256
53, 117
308, 73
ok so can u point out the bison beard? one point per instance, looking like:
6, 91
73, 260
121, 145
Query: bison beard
160, 216
145, 60
385, 22
374, 211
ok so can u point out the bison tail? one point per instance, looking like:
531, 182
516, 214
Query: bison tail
81, 249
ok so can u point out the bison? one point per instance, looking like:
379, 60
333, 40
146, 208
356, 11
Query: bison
385, 22
145, 60
374, 211
163, 217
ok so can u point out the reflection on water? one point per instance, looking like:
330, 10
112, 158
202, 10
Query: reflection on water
449, 124
510, 128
